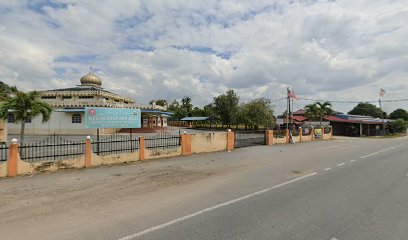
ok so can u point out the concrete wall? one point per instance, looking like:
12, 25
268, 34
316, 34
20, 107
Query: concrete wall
60, 123
3, 169
306, 138
279, 140
296, 138
25, 168
209, 142
98, 160
327, 136
162, 153
3, 131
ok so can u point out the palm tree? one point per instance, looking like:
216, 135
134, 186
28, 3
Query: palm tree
24, 106
312, 112
324, 109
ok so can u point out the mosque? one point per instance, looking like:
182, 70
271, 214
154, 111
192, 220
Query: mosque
69, 105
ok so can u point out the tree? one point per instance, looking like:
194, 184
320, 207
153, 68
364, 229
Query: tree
256, 113
399, 113
6, 90
324, 109
226, 107
400, 125
24, 106
186, 105
367, 109
160, 102
175, 108
312, 112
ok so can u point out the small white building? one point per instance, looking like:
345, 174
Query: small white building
67, 117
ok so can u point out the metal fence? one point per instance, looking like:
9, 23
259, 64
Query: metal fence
295, 132
327, 129
162, 141
116, 143
52, 148
249, 138
3, 152
306, 131
279, 133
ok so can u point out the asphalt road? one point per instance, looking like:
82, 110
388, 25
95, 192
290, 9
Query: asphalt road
341, 189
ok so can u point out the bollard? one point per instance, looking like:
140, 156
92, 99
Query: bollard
141, 148
88, 152
12, 161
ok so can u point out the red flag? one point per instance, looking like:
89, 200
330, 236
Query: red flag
382, 92
291, 94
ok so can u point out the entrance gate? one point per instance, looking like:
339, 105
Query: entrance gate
249, 138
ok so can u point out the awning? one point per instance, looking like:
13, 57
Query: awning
194, 118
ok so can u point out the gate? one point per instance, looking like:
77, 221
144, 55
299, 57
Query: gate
249, 138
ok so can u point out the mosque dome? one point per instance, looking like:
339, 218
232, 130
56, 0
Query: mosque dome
91, 79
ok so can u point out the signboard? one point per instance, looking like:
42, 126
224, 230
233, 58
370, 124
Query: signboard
96, 117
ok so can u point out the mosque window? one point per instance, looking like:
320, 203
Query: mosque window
76, 118
86, 97
11, 118
28, 120
48, 97
66, 97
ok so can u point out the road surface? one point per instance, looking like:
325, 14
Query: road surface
348, 188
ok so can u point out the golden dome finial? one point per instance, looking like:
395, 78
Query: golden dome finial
91, 79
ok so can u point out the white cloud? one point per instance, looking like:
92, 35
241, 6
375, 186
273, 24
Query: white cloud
170, 49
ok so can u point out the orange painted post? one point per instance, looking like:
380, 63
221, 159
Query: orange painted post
269, 137
186, 144
12, 161
287, 135
88, 152
322, 133
312, 135
230, 140
300, 134
141, 148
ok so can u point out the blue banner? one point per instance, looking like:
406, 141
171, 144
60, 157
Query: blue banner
96, 117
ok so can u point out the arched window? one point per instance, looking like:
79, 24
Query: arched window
11, 118
76, 118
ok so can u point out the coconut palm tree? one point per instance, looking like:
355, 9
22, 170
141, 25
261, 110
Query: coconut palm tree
24, 106
324, 109
312, 112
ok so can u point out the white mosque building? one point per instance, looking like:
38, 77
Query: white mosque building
69, 105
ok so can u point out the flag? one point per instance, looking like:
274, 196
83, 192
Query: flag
291, 94
382, 92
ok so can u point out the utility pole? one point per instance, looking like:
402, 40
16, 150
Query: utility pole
382, 92
287, 109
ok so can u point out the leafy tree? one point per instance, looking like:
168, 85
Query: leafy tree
175, 108
24, 106
399, 113
226, 107
255, 113
324, 109
400, 125
187, 106
160, 102
6, 90
367, 109
312, 112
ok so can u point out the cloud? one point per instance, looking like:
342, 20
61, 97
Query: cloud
170, 49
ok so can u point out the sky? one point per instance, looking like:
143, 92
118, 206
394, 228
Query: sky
335, 50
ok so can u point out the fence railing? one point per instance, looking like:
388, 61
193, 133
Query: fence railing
327, 130
162, 141
306, 131
116, 143
279, 133
249, 138
52, 148
3, 152
295, 132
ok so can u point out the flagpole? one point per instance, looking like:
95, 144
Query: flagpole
287, 108
382, 112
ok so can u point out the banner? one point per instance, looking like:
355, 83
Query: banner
96, 117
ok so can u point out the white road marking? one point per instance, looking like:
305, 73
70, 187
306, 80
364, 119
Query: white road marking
340, 164
352, 160
327, 169
334, 239
163, 225
372, 154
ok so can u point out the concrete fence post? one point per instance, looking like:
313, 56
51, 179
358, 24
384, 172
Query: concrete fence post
287, 136
322, 129
141, 148
88, 152
269, 137
300, 134
186, 144
12, 161
230, 140
312, 134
